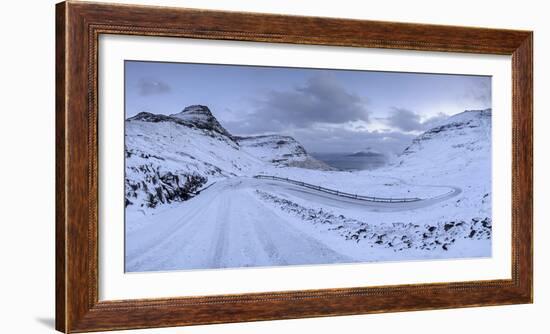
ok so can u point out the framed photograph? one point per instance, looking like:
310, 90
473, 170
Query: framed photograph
223, 167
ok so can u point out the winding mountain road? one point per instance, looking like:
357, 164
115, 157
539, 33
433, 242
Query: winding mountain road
328, 199
227, 225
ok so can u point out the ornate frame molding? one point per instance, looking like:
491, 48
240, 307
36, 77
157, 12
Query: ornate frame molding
78, 27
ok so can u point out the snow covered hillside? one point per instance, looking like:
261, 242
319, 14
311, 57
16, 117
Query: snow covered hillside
170, 158
455, 152
453, 155
280, 151
454, 144
458, 152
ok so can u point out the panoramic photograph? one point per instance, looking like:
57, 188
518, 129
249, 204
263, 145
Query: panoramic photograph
233, 166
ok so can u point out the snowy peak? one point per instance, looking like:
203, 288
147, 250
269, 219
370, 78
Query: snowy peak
169, 158
459, 125
274, 148
202, 117
277, 150
468, 118
463, 138
149, 117
469, 115
280, 150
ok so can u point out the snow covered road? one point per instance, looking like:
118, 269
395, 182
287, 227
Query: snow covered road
282, 188
228, 226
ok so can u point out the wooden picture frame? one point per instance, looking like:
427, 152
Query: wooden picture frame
78, 26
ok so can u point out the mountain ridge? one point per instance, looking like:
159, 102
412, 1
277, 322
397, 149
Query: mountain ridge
170, 157
202, 117
462, 138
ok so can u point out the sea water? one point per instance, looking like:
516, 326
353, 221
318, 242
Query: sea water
351, 162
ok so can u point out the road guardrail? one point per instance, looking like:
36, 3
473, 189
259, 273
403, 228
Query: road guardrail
339, 193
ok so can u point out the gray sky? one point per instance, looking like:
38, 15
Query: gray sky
326, 110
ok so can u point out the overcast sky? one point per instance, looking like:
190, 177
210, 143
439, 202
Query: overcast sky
326, 110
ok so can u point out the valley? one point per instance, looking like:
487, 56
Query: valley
193, 202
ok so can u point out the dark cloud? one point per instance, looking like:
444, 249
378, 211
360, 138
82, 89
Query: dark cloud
326, 117
322, 99
404, 119
147, 86
408, 120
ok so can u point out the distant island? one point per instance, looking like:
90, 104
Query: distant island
365, 154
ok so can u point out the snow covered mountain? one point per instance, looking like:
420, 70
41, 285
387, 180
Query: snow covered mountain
281, 151
450, 162
170, 158
456, 143
456, 151
245, 221
202, 118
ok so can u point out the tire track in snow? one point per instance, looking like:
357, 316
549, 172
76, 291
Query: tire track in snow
227, 226
222, 229
267, 243
290, 245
